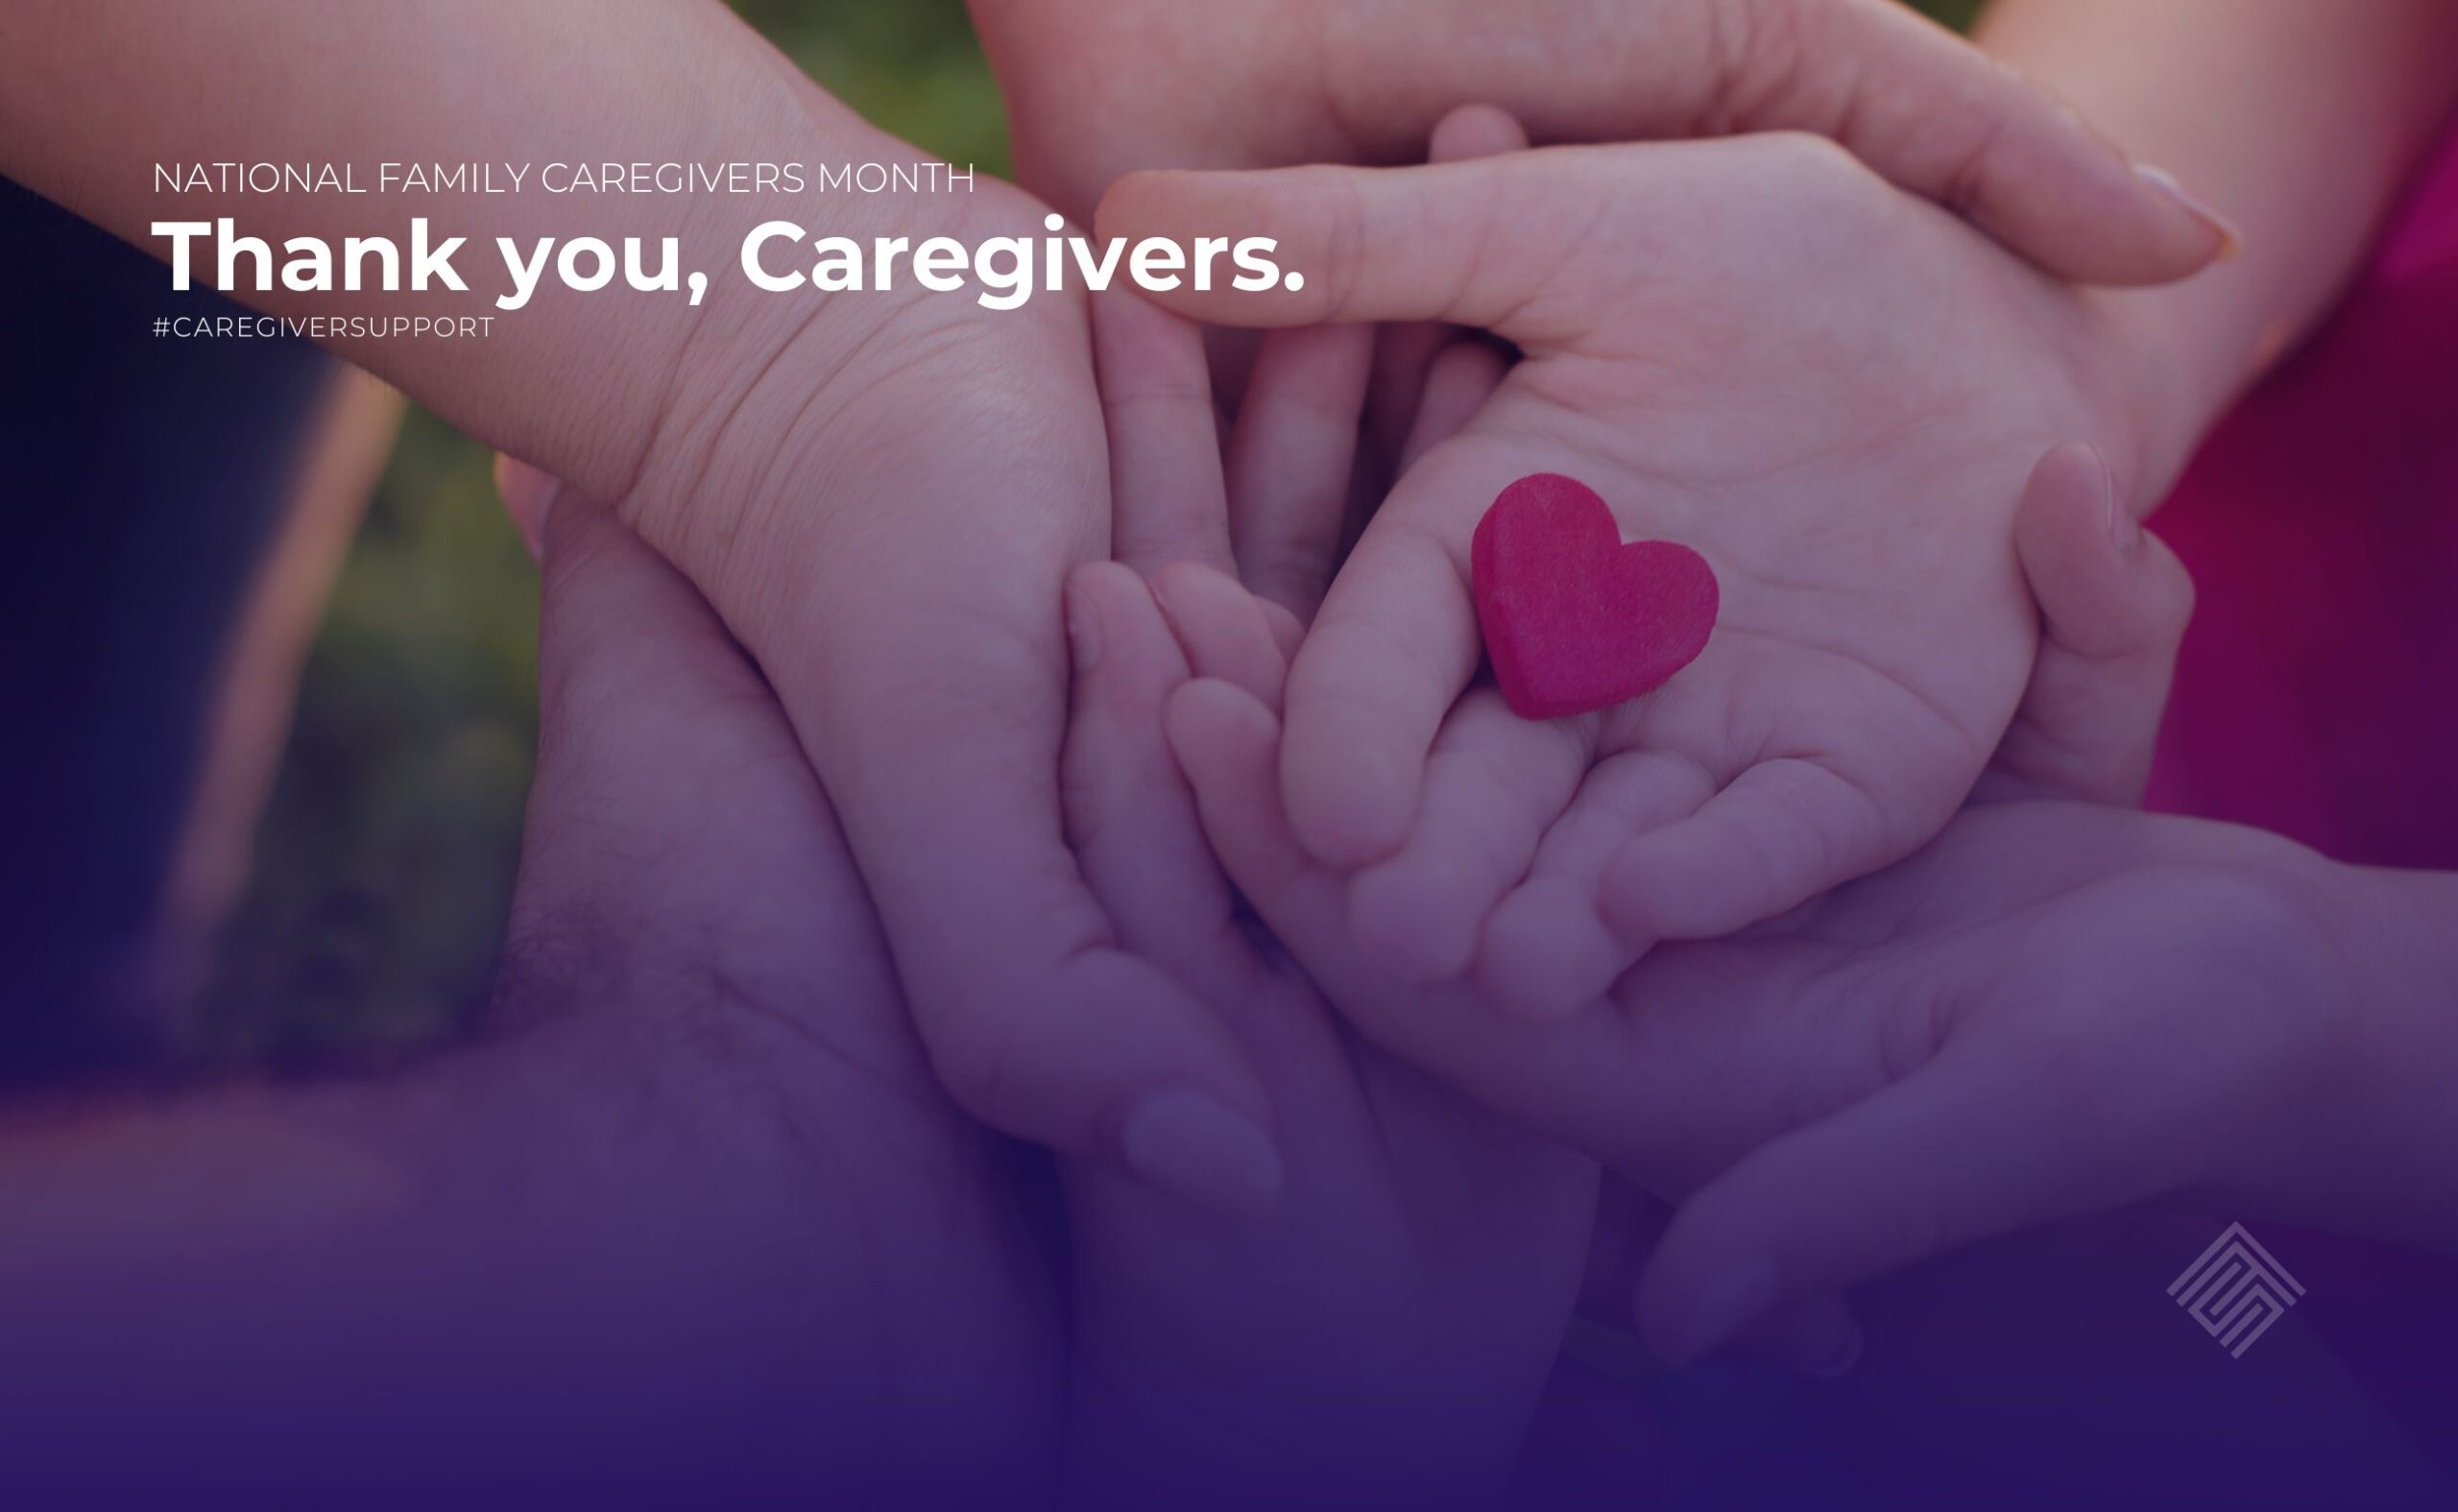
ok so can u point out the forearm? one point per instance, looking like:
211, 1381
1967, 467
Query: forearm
95, 93
2299, 122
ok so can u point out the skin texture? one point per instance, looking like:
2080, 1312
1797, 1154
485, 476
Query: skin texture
1098, 88
1757, 348
1956, 1047
2302, 123
699, 1193
881, 496
1943, 994
1382, 1338
694, 1218
1385, 1335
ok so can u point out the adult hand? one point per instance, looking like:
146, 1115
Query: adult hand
1099, 88
881, 494
688, 911
694, 1220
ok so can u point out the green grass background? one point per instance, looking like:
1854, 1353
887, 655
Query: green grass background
385, 860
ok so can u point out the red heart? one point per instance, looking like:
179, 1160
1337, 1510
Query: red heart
1573, 619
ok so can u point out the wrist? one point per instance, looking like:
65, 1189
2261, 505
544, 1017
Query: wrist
2157, 395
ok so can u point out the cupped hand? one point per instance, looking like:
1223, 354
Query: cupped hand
1830, 389
1383, 1336
1667, 1080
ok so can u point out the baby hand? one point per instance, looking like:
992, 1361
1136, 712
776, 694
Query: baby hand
1831, 390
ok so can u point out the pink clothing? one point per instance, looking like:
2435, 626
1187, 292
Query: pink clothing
2317, 692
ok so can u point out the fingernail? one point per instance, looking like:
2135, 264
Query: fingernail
2231, 240
1196, 1147
1083, 630
2122, 527
1726, 1304
529, 496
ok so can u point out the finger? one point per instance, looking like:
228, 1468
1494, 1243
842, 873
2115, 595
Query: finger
1393, 650
1781, 832
1224, 630
1405, 355
1923, 108
1290, 457
1228, 745
1130, 817
1815, 1335
1917, 104
1493, 784
1169, 503
1037, 1023
1958, 1152
528, 495
2114, 602
1472, 244
1287, 634
1547, 950
1457, 386
1475, 131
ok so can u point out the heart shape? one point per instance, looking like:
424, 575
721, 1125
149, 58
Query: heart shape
1575, 620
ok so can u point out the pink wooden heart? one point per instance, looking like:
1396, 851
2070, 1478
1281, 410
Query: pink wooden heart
1575, 620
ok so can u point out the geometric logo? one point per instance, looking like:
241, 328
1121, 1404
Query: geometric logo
2236, 1290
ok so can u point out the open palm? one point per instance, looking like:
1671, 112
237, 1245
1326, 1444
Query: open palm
1831, 390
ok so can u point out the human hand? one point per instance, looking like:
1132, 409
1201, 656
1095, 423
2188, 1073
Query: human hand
1840, 422
1096, 89
690, 934
2114, 605
1383, 1335
688, 1220
881, 494
883, 502
2056, 1010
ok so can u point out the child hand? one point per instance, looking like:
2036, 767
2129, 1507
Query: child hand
1831, 390
1381, 1335
2113, 606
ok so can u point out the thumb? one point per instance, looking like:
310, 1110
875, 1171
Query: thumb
2114, 602
1942, 119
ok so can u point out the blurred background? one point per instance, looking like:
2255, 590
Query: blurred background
384, 856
